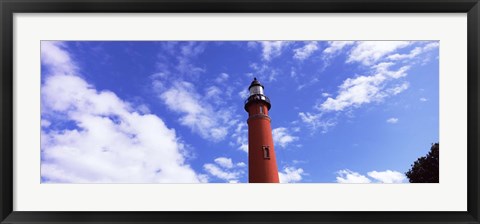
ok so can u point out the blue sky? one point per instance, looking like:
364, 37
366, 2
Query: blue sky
172, 112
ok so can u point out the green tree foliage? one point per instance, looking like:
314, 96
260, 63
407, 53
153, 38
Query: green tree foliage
425, 169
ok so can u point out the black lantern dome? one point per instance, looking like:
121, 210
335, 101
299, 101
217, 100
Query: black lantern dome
256, 94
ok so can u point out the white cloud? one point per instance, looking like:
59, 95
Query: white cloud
354, 92
244, 94
315, 121
185, 67
309, 118
308, 83
203, 178
45, 123
224, 162
384, 69
197, 114
293, 72
282, 138
431, 46
369, 52
244, 147
305, 51
291, 175
252, 44
365, 89
225, 169
192, 48
222, 78
272, 49
387, 176
241, 136
416, 51
204, 112
423, 99
216, 171
335, 46
241, 164
392, 120
108, 141
182, 52
56, 59
213, 93
143, 109
348, 176
398, 89
264, 72
298, 161
333, 49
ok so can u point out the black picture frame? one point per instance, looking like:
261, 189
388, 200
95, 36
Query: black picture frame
9, 7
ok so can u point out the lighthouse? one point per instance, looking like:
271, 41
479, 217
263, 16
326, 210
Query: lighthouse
262, 164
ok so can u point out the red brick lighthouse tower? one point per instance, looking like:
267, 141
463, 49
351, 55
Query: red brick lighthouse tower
262, 164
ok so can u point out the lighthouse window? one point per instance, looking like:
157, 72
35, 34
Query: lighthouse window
266, 152
261, 109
